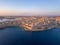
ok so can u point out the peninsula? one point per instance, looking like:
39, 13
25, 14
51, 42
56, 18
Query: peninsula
31, 23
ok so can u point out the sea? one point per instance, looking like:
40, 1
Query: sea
18, 36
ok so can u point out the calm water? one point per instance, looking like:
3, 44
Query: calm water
18, 36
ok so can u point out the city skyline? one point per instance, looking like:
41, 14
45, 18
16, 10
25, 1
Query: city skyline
29, 7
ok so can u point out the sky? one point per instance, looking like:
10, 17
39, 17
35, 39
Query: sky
16, 7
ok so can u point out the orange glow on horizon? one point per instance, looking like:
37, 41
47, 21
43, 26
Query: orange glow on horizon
9, 12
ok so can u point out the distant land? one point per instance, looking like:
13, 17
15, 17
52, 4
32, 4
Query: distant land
30, 13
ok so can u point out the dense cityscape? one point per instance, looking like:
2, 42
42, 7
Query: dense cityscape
31, 23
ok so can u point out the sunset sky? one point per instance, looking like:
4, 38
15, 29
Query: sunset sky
18, 7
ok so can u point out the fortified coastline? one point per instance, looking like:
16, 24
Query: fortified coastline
31, 23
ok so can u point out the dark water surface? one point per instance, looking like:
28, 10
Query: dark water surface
18, 36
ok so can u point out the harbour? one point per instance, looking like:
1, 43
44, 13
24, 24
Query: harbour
18, 36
